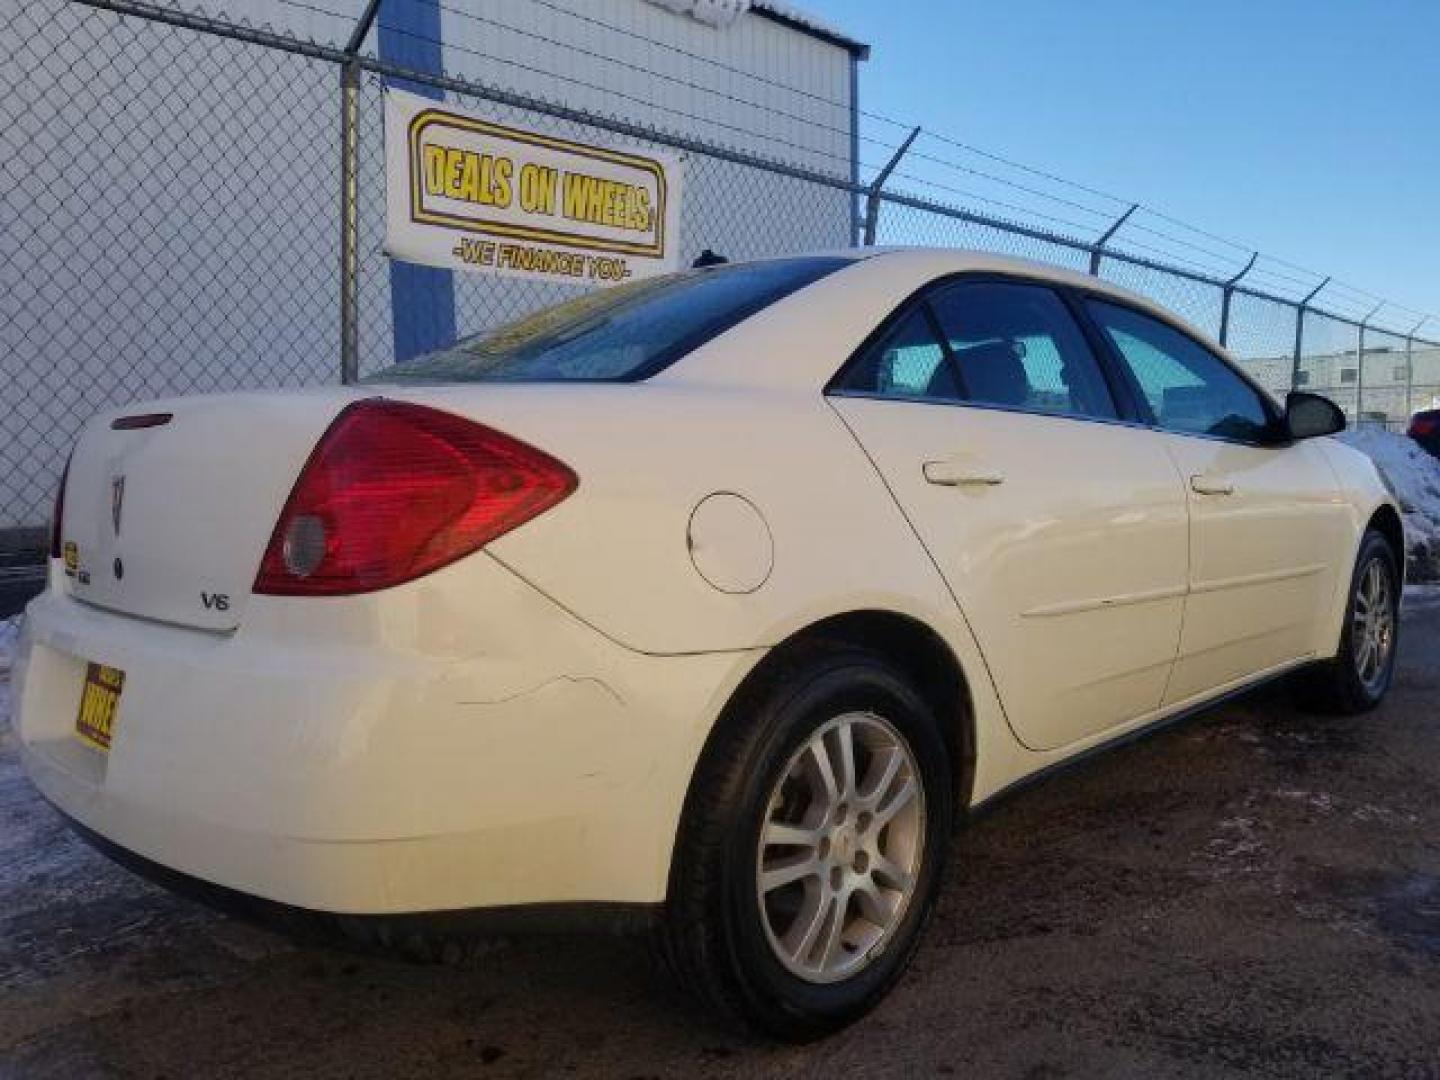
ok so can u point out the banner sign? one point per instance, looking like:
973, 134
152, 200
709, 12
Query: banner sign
467, 193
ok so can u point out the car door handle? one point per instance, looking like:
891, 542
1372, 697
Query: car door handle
1211, 485
961, 474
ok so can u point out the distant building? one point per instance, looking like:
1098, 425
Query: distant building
1391, 388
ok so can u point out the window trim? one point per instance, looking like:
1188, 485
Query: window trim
1276, 435
955, 403
1130, 401
947, 351
1127, 413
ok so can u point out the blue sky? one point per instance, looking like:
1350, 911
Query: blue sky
1310, 130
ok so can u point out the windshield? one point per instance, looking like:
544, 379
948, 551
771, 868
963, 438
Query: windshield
617, 335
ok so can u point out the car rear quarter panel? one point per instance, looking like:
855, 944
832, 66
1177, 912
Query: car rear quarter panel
617, 552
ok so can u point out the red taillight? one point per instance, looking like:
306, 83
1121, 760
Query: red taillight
394, 491
57, 517
1424, 425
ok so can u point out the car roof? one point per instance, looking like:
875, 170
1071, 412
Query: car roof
835, 314
941, 262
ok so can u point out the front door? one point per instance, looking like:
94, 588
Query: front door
1265, 520
1060, 530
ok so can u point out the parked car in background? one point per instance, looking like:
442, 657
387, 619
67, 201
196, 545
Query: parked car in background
1425, 430
713, 600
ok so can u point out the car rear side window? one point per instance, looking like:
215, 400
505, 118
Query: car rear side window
1017, 346
906, 361
617, 335
1189, 389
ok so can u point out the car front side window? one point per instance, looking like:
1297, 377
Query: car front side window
1190, 390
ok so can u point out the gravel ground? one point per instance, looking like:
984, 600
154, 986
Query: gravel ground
1254, 893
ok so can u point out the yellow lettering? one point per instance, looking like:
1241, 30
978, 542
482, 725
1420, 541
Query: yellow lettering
577, 194
606, 202
454, 166
434, 170
537, 189
501, 190
595, 204
469, 186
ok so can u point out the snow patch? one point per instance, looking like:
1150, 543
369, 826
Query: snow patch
711, 12
1423, 596
722, 13
1413, 477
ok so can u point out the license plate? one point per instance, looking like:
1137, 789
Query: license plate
99, 702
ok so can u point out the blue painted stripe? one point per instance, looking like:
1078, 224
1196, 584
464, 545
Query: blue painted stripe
422, 298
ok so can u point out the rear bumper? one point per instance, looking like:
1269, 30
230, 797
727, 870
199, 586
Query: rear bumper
425, 934
394, 753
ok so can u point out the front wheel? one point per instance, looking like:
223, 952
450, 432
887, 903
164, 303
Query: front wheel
812, 846
1359, 676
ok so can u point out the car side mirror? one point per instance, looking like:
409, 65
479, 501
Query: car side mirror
1309, 415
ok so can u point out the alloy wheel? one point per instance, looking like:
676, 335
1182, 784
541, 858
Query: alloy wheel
840, 847
1372, 629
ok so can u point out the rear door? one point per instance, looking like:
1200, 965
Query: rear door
1060, 527
1266, 523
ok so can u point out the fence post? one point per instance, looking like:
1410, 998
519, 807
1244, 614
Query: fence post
1227, 293
1300, 333
1410, 367
1098, 248
854, 149
872, 196
1360, 364
350, 197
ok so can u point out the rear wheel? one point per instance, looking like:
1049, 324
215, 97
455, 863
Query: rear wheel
1359, 676
812, 845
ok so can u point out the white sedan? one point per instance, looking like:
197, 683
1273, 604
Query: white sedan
713, 600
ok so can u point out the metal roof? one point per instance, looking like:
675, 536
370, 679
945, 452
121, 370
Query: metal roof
802, 20
722, 13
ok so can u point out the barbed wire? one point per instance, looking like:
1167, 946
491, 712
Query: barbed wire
1267, 270
919, 155
240, 259
1338, 289
1076, 235
640, 69
679, 50
737, 129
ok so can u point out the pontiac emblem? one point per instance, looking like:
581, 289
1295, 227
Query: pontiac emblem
117, 501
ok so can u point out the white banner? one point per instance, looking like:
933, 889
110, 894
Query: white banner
465, 192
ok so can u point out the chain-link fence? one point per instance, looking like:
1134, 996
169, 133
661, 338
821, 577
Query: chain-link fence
741, 209
170, 186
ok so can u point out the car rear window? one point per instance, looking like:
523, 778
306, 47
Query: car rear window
617, 335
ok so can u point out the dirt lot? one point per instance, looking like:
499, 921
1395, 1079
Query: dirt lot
1255, 893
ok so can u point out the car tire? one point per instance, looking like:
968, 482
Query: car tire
1357, 678
797, 959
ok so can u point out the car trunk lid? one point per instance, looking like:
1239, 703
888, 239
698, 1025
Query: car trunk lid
169, 505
